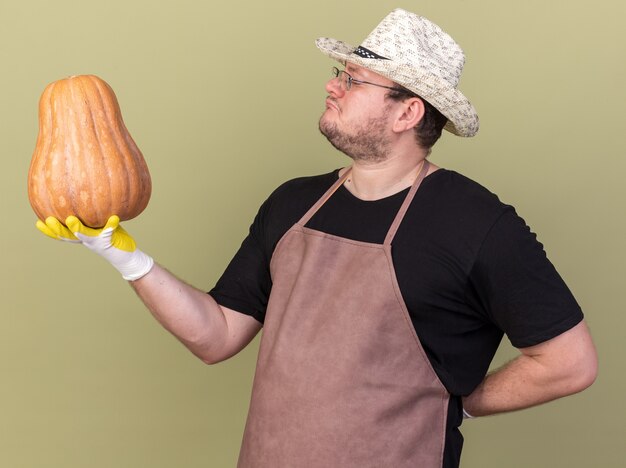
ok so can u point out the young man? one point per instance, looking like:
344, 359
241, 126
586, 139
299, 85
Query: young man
384, 288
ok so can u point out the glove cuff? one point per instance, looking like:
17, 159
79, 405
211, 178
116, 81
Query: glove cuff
466, 415
137, 265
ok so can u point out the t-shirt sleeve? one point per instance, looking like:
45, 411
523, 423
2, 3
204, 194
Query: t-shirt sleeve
246, 283
521, 290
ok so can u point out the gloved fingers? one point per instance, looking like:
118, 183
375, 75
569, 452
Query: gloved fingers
112, 233
46, 230
78, 228
53, 228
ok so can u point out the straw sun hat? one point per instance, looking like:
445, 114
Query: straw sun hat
417, 54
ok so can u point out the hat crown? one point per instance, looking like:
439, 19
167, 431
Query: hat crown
417, 42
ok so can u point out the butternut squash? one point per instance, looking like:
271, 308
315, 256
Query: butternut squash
85, 161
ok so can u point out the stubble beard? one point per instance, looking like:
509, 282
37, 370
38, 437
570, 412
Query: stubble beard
366, 143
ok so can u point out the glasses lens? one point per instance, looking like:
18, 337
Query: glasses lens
342, 77
338, 74
345, 80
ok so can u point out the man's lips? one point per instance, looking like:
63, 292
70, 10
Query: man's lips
331, 104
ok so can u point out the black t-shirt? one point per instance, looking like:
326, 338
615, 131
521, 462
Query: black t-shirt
468, 267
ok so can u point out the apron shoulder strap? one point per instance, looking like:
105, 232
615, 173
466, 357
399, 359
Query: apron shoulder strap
333, 188
399, 216
405, 205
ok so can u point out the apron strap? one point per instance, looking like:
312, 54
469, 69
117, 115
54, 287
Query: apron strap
398, 219
309, 214
405, 205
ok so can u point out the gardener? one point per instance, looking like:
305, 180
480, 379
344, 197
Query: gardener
383, 288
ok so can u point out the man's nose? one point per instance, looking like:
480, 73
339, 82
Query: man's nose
334, 88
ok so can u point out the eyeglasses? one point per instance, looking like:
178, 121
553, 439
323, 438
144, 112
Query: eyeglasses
346, 81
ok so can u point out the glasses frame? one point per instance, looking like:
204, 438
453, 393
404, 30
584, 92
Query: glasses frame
350, 80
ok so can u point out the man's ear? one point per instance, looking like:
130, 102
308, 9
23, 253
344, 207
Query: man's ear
410, 113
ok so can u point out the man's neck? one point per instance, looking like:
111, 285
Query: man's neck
373, 181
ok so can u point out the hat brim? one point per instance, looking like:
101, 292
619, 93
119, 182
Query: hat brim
461, 115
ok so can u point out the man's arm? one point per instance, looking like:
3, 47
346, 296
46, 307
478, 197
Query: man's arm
561, 366
211, 332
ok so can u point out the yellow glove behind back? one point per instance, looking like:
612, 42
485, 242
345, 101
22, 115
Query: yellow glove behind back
111, 242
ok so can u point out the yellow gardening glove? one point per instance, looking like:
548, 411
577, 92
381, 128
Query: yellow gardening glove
111, 242
53, 228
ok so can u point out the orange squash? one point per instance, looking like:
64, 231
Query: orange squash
85, 162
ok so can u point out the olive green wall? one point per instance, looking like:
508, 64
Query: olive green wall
223, 98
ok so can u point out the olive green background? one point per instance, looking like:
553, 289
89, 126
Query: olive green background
223, 99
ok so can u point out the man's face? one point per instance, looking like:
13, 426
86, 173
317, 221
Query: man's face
357, 122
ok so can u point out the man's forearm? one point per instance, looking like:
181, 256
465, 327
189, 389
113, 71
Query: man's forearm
562, 366
209, 331
522, 383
